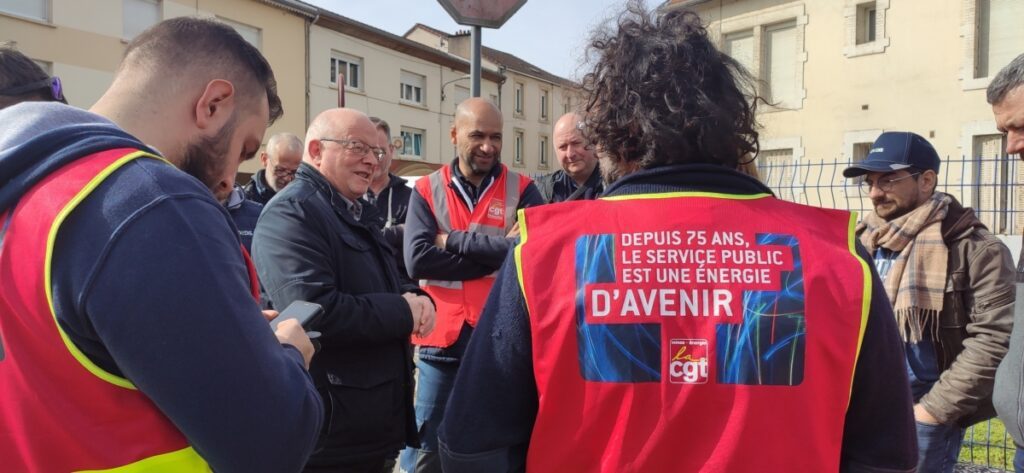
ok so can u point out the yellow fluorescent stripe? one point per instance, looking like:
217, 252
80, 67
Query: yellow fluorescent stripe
51, 241
669, 195
865, 308
182, 461
519, 255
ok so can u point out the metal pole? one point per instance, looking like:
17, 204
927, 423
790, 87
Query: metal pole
474, 66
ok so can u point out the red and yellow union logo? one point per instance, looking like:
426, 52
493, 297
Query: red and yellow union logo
496, 209
688, 361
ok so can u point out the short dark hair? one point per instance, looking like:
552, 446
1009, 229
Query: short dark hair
1009, 78
178, 43
382, 124
661, 93
17, 71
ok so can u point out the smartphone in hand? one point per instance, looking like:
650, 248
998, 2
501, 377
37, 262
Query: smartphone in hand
306, 313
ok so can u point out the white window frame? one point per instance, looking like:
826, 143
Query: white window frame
411, 133
520, 99
518, 143
542, 157
47, 17
412, 85
852, 18
969, 31
242, 28
545, 104
758, 21
348, 60
126, 22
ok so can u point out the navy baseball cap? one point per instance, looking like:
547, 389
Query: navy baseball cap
895, 150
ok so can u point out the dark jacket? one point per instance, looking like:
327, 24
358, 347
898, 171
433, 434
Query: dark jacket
244, 213
149, 283
394, 197
309, 247
493, 404
975, 322
559, 187
257, 190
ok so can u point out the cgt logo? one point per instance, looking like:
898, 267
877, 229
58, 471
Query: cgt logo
688, 361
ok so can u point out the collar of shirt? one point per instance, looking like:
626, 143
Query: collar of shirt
354, 207
473, 192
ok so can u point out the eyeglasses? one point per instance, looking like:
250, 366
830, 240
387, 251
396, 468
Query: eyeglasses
284, 172
51, 83
358, 147
884, 185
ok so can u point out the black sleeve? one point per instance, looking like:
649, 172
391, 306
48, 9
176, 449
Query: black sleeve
531, 196
170, 301
490, 250
423, 259
293, 258
493, 404
880, 434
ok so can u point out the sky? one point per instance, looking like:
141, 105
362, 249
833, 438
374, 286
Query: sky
550, 34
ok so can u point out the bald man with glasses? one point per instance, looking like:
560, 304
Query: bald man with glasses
950, 283
317, 241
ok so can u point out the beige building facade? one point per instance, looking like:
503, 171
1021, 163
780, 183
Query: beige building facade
531, 99
412, 84
840, 72
82, 41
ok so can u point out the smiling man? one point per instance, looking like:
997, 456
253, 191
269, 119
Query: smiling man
580, 176
317, 241
950, 283
460, 226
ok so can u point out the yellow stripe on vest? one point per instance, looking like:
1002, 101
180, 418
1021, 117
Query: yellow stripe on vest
182, 461
51, 241
866, 304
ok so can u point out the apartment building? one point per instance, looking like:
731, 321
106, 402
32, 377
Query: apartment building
82, 41
840, 72
530, 98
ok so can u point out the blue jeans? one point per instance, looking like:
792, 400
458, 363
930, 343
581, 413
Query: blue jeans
938, 447
435, 382
1018, 460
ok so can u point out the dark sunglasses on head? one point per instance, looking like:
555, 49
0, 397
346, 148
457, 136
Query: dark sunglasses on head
51, 83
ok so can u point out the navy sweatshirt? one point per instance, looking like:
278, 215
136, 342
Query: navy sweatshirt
150, 283
493, 404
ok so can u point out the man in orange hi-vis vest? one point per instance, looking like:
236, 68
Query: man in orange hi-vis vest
461, 223
687, 320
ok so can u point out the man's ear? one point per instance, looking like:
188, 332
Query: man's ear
929, 181
215, 107
315, 150
264, 158
454, 134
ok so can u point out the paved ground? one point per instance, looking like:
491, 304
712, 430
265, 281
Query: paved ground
968, 468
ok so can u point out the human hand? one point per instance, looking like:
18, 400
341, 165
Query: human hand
423, 313
290, 332
514, 232
270, 314
921, 415
441, 240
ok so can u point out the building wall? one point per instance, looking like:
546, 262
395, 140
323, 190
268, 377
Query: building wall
917, 76
83, 42
379, 92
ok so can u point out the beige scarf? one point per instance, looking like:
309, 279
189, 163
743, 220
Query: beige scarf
916, 283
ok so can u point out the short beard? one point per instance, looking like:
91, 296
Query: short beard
206, 157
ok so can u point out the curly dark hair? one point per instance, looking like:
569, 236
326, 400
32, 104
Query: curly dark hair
661, 93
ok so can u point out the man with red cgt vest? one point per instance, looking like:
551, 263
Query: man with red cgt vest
688, 320
130, 335
461, 223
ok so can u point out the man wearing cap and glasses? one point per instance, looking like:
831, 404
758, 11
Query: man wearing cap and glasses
950, 282
318, 241
22, 80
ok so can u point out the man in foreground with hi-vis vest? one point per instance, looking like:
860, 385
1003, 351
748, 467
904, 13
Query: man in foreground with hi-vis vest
687, 320
461, 223
130, 335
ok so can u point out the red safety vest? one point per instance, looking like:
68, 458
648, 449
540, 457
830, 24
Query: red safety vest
494, 214
59, 411
687, 332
